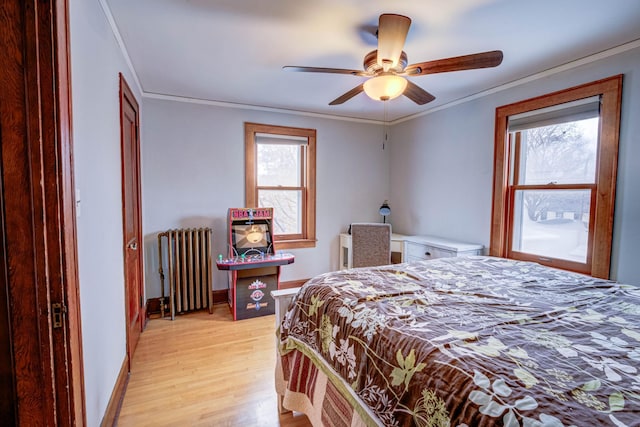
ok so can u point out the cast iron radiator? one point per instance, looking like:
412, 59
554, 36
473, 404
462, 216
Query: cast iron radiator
186, 253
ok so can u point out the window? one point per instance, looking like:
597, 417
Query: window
280, 173
554, 178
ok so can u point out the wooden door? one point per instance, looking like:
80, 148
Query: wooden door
41, 358
131, 210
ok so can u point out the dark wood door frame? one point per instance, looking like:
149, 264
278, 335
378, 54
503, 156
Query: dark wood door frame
38, 234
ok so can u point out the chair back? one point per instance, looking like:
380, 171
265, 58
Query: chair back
370, 244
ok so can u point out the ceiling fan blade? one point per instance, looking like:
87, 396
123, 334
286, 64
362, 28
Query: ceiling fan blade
417, 94
347, 96
392, 33
324, 70
457, 63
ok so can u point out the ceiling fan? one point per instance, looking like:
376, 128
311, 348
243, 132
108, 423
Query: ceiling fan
387, 65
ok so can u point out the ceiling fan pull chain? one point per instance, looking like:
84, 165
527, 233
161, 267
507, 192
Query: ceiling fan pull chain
385, 136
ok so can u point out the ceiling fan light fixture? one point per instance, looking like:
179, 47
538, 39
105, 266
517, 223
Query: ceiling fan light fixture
385, 87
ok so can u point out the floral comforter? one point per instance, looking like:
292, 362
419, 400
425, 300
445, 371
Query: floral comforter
475, 341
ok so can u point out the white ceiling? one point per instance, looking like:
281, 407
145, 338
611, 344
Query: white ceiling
232, 51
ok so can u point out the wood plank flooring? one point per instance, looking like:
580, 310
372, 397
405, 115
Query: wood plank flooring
205, 370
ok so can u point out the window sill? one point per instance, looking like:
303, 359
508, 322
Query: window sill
295, 244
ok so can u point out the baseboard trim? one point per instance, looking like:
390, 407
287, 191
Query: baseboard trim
145, 316
112, 413
154, 306
220, 296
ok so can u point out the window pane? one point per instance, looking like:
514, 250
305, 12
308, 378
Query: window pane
287, 213
552, 223
562, 153
279, 165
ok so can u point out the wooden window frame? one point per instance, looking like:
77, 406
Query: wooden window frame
603, 193
308, 237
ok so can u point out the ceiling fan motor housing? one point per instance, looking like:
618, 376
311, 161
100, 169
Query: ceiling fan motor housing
371, 65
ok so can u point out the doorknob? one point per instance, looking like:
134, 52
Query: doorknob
133, 246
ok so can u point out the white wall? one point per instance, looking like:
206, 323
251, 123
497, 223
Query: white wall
96, 61
442, 163
193, 171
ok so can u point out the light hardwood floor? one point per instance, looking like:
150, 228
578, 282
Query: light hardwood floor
205, 370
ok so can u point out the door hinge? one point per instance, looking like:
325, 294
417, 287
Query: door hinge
57, 311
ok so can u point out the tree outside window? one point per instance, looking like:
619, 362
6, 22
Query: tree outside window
554, 177
280, 173
554, 220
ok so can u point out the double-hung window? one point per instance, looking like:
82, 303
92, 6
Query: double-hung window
280, 173
554, 188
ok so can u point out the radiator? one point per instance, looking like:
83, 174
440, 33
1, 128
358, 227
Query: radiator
187, 255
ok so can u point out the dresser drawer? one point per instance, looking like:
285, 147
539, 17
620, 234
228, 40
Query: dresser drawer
422, 251
413, 259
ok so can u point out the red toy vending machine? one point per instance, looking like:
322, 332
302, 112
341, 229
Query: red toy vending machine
253, 264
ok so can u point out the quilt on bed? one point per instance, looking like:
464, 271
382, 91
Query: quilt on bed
476, 341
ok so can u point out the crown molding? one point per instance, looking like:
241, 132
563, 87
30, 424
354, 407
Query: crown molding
166, 97
116, 33
546, 73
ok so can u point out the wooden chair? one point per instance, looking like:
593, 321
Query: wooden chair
370, 244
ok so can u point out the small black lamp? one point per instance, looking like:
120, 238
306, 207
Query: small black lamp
385, 210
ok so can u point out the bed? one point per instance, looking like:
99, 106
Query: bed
474, 341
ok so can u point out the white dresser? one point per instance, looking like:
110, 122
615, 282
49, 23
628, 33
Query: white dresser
429, 247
